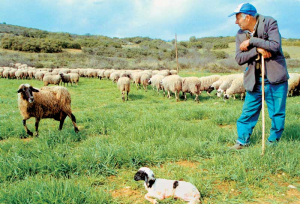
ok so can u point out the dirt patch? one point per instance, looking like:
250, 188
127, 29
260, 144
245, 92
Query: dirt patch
27, 139
128, 195
227, 126
189, 164
293, 193
73, 51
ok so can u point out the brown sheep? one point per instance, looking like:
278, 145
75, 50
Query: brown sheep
47, 102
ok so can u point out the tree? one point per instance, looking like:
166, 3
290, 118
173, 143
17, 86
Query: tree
193, 39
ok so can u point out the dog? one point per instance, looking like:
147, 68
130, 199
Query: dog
163, 188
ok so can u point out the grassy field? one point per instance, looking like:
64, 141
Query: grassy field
178, 140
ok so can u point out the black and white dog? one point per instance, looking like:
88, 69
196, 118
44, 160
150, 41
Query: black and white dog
163, 188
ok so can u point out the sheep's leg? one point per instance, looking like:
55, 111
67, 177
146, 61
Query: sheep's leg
123, 97
74, 122
127, 95
37, 121
242, 96
169, 94
26, 129
184, 94
197, 98
62, 120
176, 96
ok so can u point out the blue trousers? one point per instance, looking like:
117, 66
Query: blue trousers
275, 97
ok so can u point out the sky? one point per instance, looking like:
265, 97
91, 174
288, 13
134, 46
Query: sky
157, 19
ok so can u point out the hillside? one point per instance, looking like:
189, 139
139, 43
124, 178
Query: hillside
51, 49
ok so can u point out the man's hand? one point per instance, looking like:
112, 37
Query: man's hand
244, 45
266, 54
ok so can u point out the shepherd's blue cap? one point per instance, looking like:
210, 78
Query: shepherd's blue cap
244, 8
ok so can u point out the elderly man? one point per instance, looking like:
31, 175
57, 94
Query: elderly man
259, 36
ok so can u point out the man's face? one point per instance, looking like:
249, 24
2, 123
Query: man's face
243, 23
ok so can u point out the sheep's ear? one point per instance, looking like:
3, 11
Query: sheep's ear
34, 90
21, 88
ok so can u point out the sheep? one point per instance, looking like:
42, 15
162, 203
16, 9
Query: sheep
6, 73
92, 73
12, 73
172, 83
237, 87
227, 83
144, 80
191, 85
101, 73
19, 74
51, 79
39, 75
76, 71
136, 77
74, 78
165, 73
173, 72
1, 72
47, 102
107, 73
293, 83
163, 188
207, 81
215, 85
154, 81
114, 76
124, 86
65, 78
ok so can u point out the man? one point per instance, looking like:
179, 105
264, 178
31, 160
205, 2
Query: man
259, 36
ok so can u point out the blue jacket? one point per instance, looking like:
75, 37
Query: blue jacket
268, 38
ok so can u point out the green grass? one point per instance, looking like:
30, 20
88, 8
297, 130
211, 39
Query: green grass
178, 140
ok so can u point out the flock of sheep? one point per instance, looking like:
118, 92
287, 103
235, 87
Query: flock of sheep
166, 80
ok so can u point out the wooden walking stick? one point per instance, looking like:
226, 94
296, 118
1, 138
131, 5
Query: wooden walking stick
263, 103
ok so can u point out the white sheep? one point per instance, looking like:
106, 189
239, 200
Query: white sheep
216, 84
144, 80
207, 81
172, 83
74, 78
164, 188
155, 80
136, 77
191, 85
124, 86
227, 81
293, 83
51, 79
114, 76
237, 87
48, 102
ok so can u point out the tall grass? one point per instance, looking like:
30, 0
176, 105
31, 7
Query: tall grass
117, 138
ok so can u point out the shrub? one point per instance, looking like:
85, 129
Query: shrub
39, 65
221, 45
286, 55
220, 54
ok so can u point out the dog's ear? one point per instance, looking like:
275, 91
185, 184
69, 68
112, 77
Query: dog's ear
140, 175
